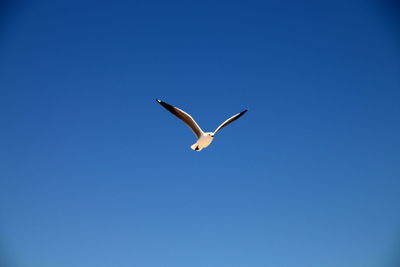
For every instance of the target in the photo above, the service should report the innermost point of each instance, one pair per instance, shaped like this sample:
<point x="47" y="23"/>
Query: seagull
<point x="204" y="139"/>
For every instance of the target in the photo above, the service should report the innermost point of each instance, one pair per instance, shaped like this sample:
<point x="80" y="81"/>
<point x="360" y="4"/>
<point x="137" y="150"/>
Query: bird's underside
<point x="204" y="139"/>
<point x="203" y="142"/>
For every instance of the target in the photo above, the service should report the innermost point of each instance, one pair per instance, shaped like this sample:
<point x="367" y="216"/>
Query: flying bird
<point x="204" y="139"/>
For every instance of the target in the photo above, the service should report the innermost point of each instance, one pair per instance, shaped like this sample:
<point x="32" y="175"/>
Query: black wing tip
<point x="167" y="106"/>
<point x="244" y="111"/>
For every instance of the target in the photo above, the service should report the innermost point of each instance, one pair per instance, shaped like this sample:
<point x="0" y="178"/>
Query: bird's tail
<point x="195" y="147"/>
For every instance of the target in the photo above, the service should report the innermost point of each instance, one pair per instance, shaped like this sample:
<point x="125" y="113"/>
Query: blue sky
<point x="95" y="173"/>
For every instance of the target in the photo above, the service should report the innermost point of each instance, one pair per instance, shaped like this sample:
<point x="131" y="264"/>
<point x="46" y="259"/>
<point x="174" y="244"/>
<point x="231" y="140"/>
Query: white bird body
<point x="203" y="142"/>
<point x="204" y="139"/>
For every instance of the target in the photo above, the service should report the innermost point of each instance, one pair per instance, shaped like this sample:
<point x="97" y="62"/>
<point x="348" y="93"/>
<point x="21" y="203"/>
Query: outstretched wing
<point x="230" y="120"/>
<point x="186" y="118"/>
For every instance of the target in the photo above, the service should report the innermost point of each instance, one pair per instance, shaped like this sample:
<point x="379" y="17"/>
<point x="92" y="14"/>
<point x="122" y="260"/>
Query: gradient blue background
<point x="95" y="173"/>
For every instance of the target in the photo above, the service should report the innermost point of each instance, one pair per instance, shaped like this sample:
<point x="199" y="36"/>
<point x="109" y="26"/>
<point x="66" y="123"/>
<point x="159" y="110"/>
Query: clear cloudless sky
<point x="93" y="172"/>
